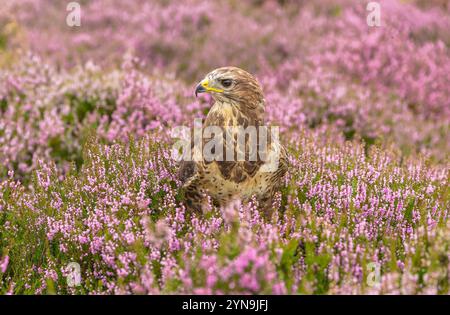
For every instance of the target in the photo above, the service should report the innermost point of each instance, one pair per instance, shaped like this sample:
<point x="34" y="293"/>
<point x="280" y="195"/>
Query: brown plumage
<point x="238" y="102"/>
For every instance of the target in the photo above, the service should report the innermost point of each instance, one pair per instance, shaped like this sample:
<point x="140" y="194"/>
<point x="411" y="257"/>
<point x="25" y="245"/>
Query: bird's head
<point x="231" y="84"/>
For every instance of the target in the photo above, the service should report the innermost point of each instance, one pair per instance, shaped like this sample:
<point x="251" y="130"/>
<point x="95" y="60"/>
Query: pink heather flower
<point x="161" y="234"/>
<point x="279" y="288"/>
<point x="203" y="291"/>
<point x="4" y="264"/>
<point x="211" y="280"/>
<point x="231" y="212"/>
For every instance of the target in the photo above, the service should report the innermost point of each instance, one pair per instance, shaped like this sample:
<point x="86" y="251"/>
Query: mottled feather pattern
<point x="240" y="105"/>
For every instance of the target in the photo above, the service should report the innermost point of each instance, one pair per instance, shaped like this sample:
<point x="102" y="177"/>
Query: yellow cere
<point x="205" y="83"/>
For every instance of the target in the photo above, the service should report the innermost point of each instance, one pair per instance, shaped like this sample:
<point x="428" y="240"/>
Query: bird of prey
<point x="238" y="104"/>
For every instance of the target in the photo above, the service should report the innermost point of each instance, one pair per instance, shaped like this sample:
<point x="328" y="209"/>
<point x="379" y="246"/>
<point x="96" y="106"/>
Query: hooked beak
<point x="203" y="87"/>
<point x="199" y="89"/>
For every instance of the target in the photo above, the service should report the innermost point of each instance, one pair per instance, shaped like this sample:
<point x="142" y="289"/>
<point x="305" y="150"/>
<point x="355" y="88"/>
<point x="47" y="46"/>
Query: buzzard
<point x="238" y="104"/>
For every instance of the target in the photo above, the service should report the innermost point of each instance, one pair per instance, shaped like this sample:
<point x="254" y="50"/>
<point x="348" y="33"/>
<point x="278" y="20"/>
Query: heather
<point x="86" y="173"/>
<point x="121" y="218"/>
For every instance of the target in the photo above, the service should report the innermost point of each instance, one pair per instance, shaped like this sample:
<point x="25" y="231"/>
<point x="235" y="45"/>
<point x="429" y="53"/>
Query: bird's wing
<point x="238" y="171"/>
<point x="189" y="168"/>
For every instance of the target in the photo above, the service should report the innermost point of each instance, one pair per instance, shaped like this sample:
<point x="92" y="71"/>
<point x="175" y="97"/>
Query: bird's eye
<point x="226" y="82"/>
